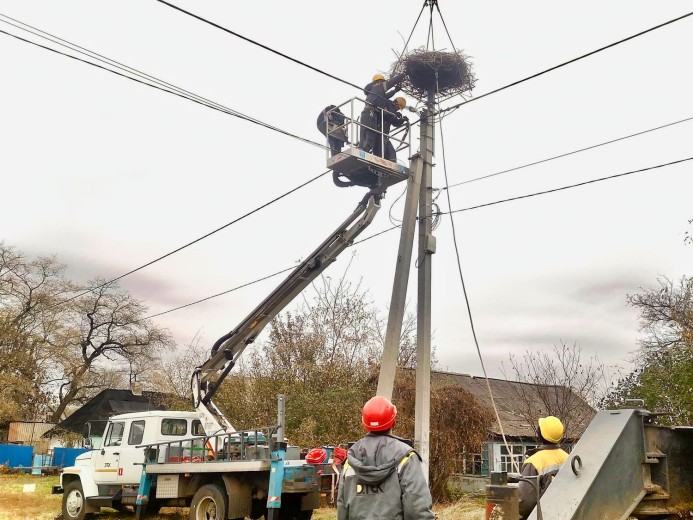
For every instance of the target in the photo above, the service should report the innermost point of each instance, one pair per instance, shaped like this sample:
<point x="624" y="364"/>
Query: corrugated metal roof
<point x="511" y="396"/>
<point x="27" y="432"/>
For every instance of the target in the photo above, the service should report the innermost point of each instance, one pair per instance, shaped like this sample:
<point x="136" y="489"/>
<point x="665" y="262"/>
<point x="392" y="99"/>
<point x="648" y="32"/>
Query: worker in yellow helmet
<point x="378" y="94"/>
<point x="391" y="117"/>
<point x="543" y="463"/>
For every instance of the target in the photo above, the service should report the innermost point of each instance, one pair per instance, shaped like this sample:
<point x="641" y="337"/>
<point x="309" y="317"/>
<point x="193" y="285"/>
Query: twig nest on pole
<point x="443" y="72"/>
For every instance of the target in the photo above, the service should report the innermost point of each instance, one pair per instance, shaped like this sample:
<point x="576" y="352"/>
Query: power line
<point x="253" y="281"/>
<point x="219" y="294"/>
<point x="566" y="63"/>
<point x="365" y="239"/>
<point x="270" y="49"/>
<point x="567" y="153"/>
<point x="179" y="92"/>
<point x="532" y="195"/>
<point x="234" y="221"/>
<point x="568" y="187"/>
<point x="397" y="227"/>
<point x="464" y="289"/>
<point x="375" y="235"/>
<point x="261" y="45"/>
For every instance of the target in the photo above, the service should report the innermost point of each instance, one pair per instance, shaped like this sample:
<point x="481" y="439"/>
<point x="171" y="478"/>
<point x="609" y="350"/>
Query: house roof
<point x="107" y="403"/>
<point x="511" y="396"/>
<point x="27" y="432"/>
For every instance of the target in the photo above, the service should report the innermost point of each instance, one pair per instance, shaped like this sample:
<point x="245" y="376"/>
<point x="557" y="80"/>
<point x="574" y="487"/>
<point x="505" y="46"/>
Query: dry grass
<point x="464" y="509"/>
<point x="15" y="504"/>
<point x="41" y="505"/>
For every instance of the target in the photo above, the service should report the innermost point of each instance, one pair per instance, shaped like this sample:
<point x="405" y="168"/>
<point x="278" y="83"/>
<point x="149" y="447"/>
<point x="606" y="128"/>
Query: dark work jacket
<point x="379" y="92"/>
<point x="392" y="117"/>
<point x="382" y="480"/>
<point x="336" y="117"/>
<point x="544" y="463"/>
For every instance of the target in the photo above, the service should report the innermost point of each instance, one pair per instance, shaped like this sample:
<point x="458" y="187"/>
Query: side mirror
<point x="86" y="443"/>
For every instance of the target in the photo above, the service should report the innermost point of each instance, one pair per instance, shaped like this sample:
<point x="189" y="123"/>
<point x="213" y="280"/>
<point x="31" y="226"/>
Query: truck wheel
<point x="209" y="503"/>
<point x="74" y="502"/>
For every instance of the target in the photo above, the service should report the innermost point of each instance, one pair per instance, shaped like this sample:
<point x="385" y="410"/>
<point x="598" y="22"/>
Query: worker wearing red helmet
<point x="382" y="477"/>
<point x="543" y="463"/>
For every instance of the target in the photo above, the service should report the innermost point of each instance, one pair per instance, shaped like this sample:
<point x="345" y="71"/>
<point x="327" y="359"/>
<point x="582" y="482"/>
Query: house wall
<point x="468" y="483"/>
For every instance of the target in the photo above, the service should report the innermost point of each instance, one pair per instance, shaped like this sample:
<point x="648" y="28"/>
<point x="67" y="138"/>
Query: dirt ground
<point x="15" y="504"/>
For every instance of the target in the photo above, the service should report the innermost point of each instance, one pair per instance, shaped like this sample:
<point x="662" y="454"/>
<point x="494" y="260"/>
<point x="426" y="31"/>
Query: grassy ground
<point x="15" y="504"/>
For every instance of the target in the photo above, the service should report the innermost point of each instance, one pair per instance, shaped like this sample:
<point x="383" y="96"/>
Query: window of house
<point x="114" y="436"/>
<point x="471" y="463"/>
<point x="174" y="426"/>
<point x="136" y="432"/>
<point x="477" y="464"/>
<point x="197" y="428"/>
<point x="517" y="455"/>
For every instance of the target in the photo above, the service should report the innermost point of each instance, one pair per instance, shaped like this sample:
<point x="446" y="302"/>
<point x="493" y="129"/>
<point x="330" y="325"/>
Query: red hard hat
<point x="339" y="455"/>
<point x="316" y="456"/>
<point x="378" y="414"/>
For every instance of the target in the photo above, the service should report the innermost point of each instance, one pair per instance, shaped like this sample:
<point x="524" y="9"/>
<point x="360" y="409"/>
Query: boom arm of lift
<point x="226" y="351"/>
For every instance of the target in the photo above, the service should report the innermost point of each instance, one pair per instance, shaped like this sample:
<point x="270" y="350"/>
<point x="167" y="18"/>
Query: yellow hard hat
<point x="551" y="428"/>
<point x="378" y="77"/>
<point x="401" y="102"/>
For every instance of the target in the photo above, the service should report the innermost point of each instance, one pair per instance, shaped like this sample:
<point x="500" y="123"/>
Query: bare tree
<point x="666" y="313"/>
<point x="561" y="383"/>
<point x="175" y="368"/>
<point x="663" y="374"/>
<point x="29" y="291"/>
<point x="104" y="329"/>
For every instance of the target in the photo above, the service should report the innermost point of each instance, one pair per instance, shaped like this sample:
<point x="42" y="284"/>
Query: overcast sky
<point x="109" y="174"/>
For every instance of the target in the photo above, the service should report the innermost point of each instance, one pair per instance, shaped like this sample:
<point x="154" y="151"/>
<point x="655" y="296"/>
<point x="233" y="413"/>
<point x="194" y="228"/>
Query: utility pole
<point x="393" y="333"/>
<point x="427" y="247"/>
<point x="419" y="193"/>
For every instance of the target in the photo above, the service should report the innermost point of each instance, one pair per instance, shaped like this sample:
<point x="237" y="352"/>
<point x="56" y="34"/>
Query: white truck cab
<point x="109" y="476"/>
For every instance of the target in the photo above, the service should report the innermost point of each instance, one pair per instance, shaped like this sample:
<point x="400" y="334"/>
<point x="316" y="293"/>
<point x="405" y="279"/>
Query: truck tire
<point x="209" y="503"/>
<point x="74" y="502"/>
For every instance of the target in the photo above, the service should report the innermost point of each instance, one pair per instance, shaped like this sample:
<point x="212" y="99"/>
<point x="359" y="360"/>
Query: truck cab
<point x="109" y="476"/>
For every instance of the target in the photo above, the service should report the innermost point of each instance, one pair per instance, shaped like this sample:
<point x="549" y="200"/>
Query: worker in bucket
<point x="543" y="463"/>
<point x="382" y="476"/>
<point x="331" y="125"/>
<point x="391" y="117"/>
<point x="378" y="93"/>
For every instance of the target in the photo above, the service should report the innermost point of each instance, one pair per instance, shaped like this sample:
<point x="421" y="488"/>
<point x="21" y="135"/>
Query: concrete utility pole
<point x="427" y="247"/>
<point x="419" y="197"/>
<point x="393" y="333"/>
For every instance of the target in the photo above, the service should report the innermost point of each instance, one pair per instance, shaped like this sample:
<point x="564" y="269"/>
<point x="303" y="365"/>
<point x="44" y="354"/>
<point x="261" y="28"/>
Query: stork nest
<point x="446" y="73"/>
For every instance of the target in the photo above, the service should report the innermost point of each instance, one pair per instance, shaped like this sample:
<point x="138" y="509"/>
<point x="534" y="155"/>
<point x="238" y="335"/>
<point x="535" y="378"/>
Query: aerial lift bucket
<point x="359" y="167"/>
